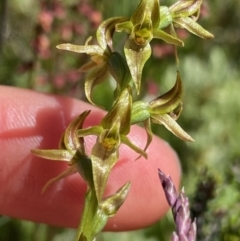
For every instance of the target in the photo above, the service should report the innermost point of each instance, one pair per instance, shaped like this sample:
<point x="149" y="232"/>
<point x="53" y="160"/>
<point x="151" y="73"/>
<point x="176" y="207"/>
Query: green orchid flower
<point x="184" y="14"/>
<point x="142" y="27"/>
<point x="163" y="110"/>
<point x="98" y="65"/>
<point x="111" y="133"/>
<point x="72" y="150"/>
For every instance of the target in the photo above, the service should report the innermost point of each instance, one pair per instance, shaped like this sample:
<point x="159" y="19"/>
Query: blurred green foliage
<point x="211" y="75"/>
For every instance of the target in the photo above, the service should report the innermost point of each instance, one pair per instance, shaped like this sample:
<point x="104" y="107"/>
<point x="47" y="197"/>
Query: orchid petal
<point x="136" y="57"/>
<point x="97" y="76"/>
<point x="54" y="154"/>
<point x="126" y="141"/>
<point x="187" y="10"/>
<point x="160" y="34"/>
<point x="172" y="126"/>
<point x="104" y="157"/>
<point x="182" y="5"/>
<point x="71" y="139"/>
<point x="126" y="26"/>
<point x="88" y="66"/>
<point x="147" y="125"/>
<point x="87" y="49"/>
<point x="71" y="170"/>
<point x="95" y="130"/>
<point x="111" y="204"/>
<point x="193" y="27"/>
<point x="105" y="31"/>
<point x="168" y="101"/>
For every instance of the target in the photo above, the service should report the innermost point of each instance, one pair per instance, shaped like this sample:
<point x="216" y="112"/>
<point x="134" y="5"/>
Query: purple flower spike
<point x="185" y="229"/>
<point x="168" y="187"/>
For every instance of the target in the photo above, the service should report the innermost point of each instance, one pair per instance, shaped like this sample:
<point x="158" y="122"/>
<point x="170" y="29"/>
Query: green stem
<point x="93" y="219"/>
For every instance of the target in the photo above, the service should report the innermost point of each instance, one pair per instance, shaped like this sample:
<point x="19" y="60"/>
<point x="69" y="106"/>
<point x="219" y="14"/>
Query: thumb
<point x="33" y="120"/>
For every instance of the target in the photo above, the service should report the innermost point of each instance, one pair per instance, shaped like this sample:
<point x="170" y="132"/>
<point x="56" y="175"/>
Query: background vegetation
<point x="30" y="30"/>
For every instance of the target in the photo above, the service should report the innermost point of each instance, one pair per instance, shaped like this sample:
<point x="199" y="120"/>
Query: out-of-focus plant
<point x="147" y="22"/>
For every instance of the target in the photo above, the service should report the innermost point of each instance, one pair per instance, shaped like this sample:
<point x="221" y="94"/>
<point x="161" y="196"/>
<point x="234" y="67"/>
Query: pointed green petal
<point x="55" y="154"/>
<point x="61" y="144"/>
<point x="87" y="49"/>
<point x="95" y="130"/>
<point x="125" y="26"/>
<point x="88" y="66"/>
<point x="71" y="139"/>
<point x="136" y="58"/>
<point x="127" y="142"/>
<point x="68" y="172"/>
<point x="83" y="165"/>
<point x="187" y="9"/>
<point x="172" y="126"/>
<point x="155" y="13"/>
<point x="193" y="27"/>
<point x="148" y="129"/>
<point x="140" y="12"/>
<point x="182" y="5"/>
<point x="147" y="10"/>
<point x="97" y="76"/>
<point x="110" y="205"/>
<point x="118" y="68"/>
<point x="165" y="17"/>
<point x="122" y="110"/>
<point x="159" y="34"/>
<point x="168" y="101"/>
<point x="102" y="163"/>
<point x="82" y="237"/>
<point x="106" y="30"/>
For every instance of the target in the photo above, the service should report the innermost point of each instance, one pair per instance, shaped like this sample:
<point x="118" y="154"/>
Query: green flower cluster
<point x="147" y="22"/>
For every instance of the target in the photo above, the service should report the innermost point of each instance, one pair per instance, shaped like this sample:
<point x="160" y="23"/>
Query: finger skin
<point x="31" y="120"/>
